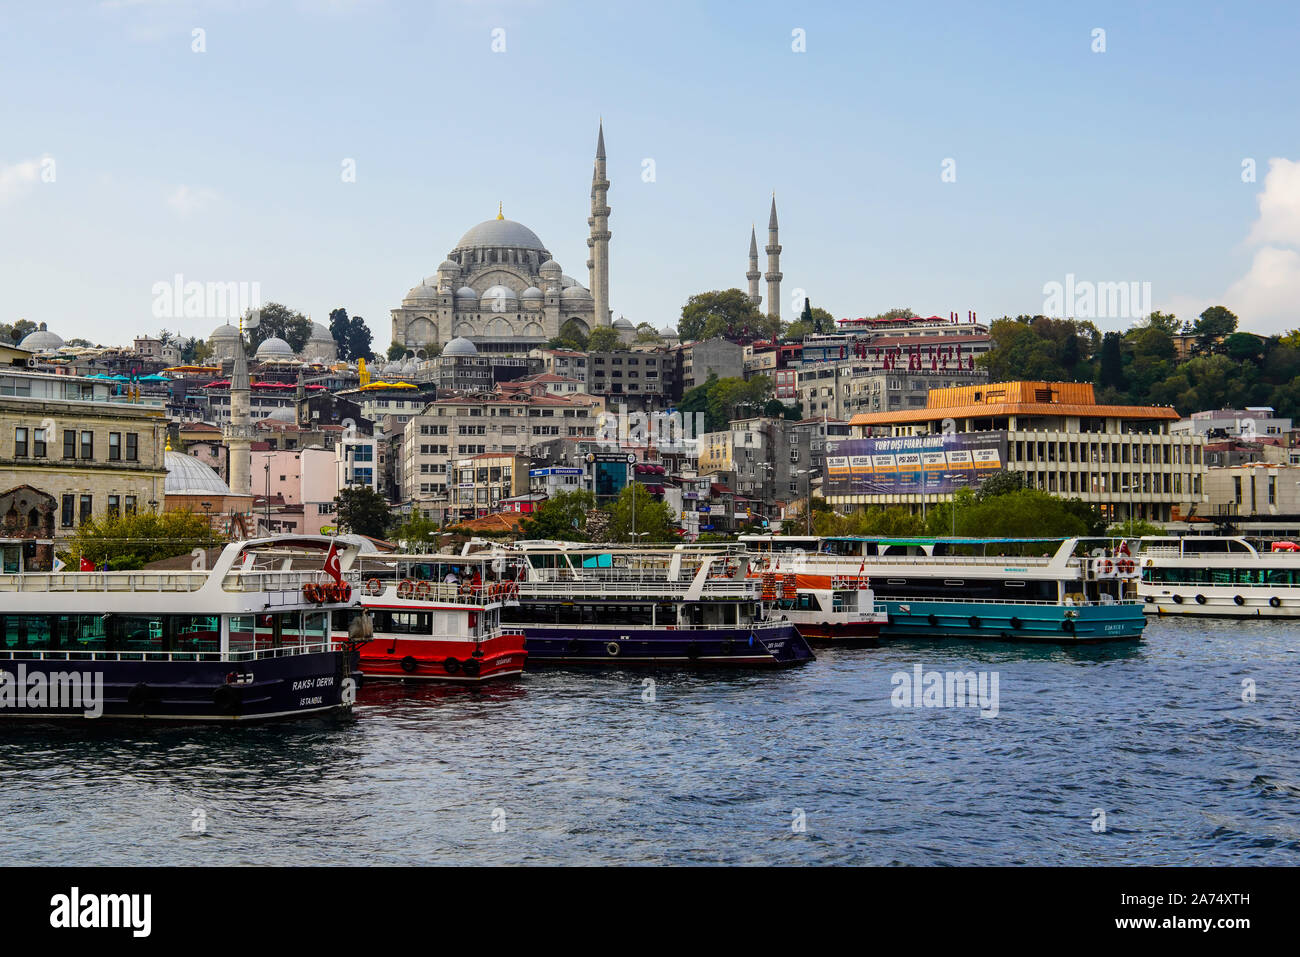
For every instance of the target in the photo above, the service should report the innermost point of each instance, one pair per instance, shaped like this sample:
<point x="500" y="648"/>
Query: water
<point x="574" y="767"/>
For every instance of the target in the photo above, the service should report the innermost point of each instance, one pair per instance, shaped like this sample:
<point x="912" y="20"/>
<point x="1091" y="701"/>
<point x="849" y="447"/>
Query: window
<point x="20" y="443"/>
<point x="68" y="513"/>
<point x="69" y="444"/>
<point x="115" y="446"/>
<point x="114" y="505"/>
<point x="129" y="504"/>
<point x="86" y="507"/>
<point x="133" y="446"/>
<point x="87" y="444"/>
<point x="38" y="443"/>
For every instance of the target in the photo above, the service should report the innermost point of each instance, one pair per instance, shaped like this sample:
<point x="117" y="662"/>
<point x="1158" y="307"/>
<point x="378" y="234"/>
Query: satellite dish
<point x="253" y="319"/>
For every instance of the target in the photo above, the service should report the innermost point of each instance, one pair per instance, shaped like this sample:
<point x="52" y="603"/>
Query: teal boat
<point x="1064" y="590"/>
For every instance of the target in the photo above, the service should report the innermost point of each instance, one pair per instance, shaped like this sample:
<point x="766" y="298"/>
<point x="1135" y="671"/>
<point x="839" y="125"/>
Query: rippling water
<point x="575" y="767"/>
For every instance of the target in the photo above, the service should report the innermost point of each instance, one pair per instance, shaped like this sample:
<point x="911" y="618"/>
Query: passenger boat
<point x="248" y="640"/>
<point x="1218" y="576"/>
<point x="1061" y="590"/>
<point x="678" y="605"/>
<point x="436" y="618"/>
<point x="825" y="609"/>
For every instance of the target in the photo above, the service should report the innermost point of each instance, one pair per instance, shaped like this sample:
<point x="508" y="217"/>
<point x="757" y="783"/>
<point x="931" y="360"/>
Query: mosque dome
<point x="465" y="292"/>
<point x="275" y="348"/>
<point x="224" y="332"/>
<point x="500" y="232"/>
<point x="42" y="340"/>
<point x="498" y="293"/>
<point x="422" y="291"/>
<point x="574" y="292"/>
<point x="460" y="346"/>
<point x="186" y="475"/>
<point x="668" y="332"/>
<point x="320" y="333"/>
<point x="532" y="292"/>
<point x="449" y="266"/>
<point x="550" y="268"/>
<point x="621" y="323"/>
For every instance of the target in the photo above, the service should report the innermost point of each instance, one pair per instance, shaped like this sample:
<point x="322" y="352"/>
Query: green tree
<point x="418" y="533"/>
<point x="1027" y="513"/>
<point x="571" y="337"/>
<point x="999" y="483"/>
<point x="195" y="351"/>
<point x="1134" y="529"/>
<point x="340" y="330"/>
<point x="654" y="519"/>
<point x="395" y="351"/>
<point x="605" y="339"/>
<point x="133" y="541"/>
<point x="363" y="511"/>
<point x="1111" y="371"/>
<point x="18" y="331"/>
<point x="1243" y="347"/>
<point x="647" y="333"/>
<point x="278" y="320"/>
<point x="360" y="339"/>
<point x="562" y="517"/>
<point x="725" y="314"/>
<point x="1165" y="322"/>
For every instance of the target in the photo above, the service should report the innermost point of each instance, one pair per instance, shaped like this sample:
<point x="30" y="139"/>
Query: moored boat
<point x="1219" y="576"/>
<point x="825" y="609"/>
<point x="247" y="640"/>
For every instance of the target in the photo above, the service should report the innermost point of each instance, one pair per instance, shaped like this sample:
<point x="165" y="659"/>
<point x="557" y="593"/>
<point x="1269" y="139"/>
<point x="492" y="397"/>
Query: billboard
<point x="910" y="465"/>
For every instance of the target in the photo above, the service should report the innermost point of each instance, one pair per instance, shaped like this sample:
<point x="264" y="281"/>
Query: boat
<point x="825" y="609"/>
<point x="1067" y="590"/>
<point x="436" y="618"/>
<point x="679" y="605"/>
<point x="1224" y="576"/>
<point x="247" y="640"/>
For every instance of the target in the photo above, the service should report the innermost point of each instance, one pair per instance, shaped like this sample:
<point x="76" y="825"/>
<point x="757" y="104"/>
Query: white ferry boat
<point x="1219" y="576"/>
<point x="825" y="609"/>
<point x="249" y="639"/>
<point x="1064" y="590"/>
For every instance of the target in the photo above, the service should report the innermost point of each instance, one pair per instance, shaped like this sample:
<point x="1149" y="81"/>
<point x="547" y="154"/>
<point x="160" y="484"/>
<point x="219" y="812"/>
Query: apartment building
<point x="841" y="389"/>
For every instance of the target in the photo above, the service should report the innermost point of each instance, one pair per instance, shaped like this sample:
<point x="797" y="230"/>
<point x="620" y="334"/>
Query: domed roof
<point x="569" y="281"/>
<point x="410" y="368"/>
<point x="465" y="292"/>
<point x="226" y="331"/>
<point x="550" y="267"/>
<point x="320" y="333"/>
<point x="532" y="292"/>
<point x="499" y="293"/>
<point x="275" y="348"/>
<point x="283" y="414"/>
<point x="621" y="323"/>
<point x="460" y="346"/>
<point x="42" y="340"/>
<point x="422" y="291"/>
<point x="448" y="266"/>
<point x="501" y="232"/>
<point x="186" y="475"/>
<point x="668" y="332"/>
<point x="574" y="292"/>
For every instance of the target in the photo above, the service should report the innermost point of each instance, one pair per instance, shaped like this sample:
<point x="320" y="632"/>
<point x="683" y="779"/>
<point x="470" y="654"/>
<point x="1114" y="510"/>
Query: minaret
<point x="591" y="231"/>
<point x="600" y="234"/>
<point x="239" y="431"/>
<point x="753" y="273"/>
<point x="773" y="276"/>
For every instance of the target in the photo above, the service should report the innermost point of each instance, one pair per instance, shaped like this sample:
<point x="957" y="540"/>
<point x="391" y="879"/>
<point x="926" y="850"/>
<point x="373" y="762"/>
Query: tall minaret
<point x="600" y="234"/>
<point x="753" y="273"/>
<point x="773" y="276"/>
<point x="239" y="431"/>
<point x="591" y="231"/>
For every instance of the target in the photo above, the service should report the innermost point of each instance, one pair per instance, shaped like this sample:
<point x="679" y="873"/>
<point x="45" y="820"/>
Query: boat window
<point x="1014" y="584"/>
<point x="119" y="633"/>
<point x="315" y="628"/>
<point x="954" y="582"/>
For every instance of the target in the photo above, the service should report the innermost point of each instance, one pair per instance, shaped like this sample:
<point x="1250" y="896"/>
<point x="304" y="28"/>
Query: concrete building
<point x="1122" y="459"/>
<point x="483" y="482"/>
<point x="842" y="389"/>
<point x="1253" y="493"/>
<point x="1249" y="424"/>
<point x="698" y="360"/>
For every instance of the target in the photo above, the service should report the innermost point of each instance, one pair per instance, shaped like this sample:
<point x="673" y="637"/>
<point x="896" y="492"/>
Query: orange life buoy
<point x="345" y="591"/>
<point x="1125" y="565"/>
<point x="1106" y="566"/>
<point x="422" y="590"/>
<point x="373" y="587"/>
<point x="405" y="588"/>
<point x="309" y="592"/>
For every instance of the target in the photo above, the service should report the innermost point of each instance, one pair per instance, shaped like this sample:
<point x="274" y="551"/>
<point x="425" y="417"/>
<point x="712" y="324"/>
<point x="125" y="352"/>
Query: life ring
<point x="405" y="587"/>
<point x="422" y="590"/>
<point x="1068" y="625"/>
<point x="612" y="649"/>
<point x="975" y="621"/>
<point x="1178" y="599"/>
<point x="471" y="667"/>
<point x="374" y="587"/>
<point x="1107" y="566"/>
<point x="309" y="592"/>
<point x="1125" y="566"/>
<point x="728" y="646"/>
<point x="1238" y="600"/>
<point x="574" y="646"/>
<point x="409" y="664"/>
<point x="1016" y="623"/>
<point x="1200" y="599"/>
<point x="451" y="666"/>
<point x="1275" y="602"/>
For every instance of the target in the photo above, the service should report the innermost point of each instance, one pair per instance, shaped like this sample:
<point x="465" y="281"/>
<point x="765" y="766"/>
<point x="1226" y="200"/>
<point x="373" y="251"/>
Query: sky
<point x="937" y="156"/>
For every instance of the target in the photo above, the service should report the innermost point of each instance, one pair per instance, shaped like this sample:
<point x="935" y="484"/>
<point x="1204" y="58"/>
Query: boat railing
<point x="1160" y="551"/>
<point x="743" y="588"/>
<point x="74" y="582"/>
<point x="1008" y="601"/>
<point x="284" y="651"/>
<point x="796" y="562"/>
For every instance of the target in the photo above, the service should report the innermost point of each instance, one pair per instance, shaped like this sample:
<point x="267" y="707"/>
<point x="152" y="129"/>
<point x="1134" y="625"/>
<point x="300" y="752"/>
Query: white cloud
<point x="18" y="178"/>
<point x="1267" y="298"/>
<point x="185" y="200"/>
<point x="1279" y="205"/>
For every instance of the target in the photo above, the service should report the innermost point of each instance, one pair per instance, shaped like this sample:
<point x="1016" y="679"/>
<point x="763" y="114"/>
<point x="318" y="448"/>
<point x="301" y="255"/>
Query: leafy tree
<point x="133" y="541"/>
<point x="1134" y="529"/>
<point x="823" y="322"/>
<point x="654" y="519"/>
<point x="1041" y="348"/>
<point x="363" y="511"/>
<point x="571" y="337"/>
<point x="195" y="351"/>
<point x="647" y="333"/>
<point x="999" y="483"/>
<point x="418" y="533"/>
<point x="1243" y="347"/>
<point x="563" y="517"/>
<point x="18" y="331"/>
<point x="278" y="320"/>
<point x="395" y="351"/>
<point x="892" y="522"/>
<point x="360" y="339"/>
<point x="1026" y="513"/>
<point x="725" y="314"/>
<point x="1111" y="371"/>
<point x="1165" y="322"/>
<point x="1215" y="321"/>
<point x="340" y="329"/>
<point x="605" y="339"/>
<point x="776" y="409"/>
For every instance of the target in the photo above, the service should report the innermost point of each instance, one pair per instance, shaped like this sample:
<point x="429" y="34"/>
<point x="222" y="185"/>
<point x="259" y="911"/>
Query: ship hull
<point x="1209" y="601"/>
<point x="261" y="689"/>
<point x="1062" y="624"/>
<point x="712" y="647"/>
<point x="446" y="661"/>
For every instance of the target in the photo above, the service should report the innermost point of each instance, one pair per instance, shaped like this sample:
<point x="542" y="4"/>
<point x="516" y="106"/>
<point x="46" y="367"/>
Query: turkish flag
<point x="87" y="565"/>
<point x="332" y="563"/>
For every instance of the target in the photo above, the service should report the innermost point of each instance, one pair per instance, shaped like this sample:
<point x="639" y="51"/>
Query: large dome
<point x="186" y="475"/>
<point x="275" y="348"/>
<point x="224" y="331"/>
<point x="501" y="232"/>
<point x="460" y="346"/>
<point x="320" y="333"/>
<point x="42" y="340"/>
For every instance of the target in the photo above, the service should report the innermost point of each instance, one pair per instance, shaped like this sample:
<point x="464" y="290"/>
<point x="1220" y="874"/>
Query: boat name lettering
<point x="307" y="683"/>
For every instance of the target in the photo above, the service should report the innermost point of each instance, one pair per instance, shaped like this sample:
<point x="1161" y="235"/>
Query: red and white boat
<point x="824" y="609"/>
<point x="436" y="618"/>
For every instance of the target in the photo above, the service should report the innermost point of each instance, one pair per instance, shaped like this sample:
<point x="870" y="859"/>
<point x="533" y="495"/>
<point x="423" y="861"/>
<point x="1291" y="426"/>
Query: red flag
<point x="332" y="563"/>
<point x="87" y="565"/>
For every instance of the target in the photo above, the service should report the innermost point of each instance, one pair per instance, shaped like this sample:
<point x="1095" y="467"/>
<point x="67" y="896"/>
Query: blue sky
<point x="225" y="165"/>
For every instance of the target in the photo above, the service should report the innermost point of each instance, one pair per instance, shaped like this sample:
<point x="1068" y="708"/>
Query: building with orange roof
<point x="1123" y="459"/>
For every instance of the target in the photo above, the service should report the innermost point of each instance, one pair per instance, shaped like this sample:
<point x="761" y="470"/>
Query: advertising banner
<point x="935" y="464"/>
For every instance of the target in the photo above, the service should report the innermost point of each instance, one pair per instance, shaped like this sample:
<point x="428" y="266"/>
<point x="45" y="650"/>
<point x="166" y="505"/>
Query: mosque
<point x="501" y="290"/>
